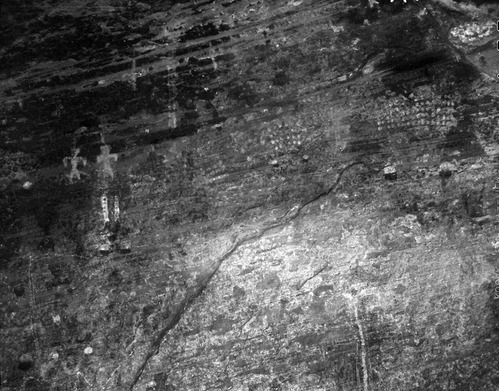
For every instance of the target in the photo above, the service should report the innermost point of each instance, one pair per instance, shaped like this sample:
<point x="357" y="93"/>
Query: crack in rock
<point x="176" y="315"/>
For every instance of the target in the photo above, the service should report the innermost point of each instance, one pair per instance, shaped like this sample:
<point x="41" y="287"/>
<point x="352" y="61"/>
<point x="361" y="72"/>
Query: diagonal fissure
<point x="185" y="304"/>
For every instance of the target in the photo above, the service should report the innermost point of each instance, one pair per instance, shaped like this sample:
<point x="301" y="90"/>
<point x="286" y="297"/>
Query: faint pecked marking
<point x="105" y="209"/>
<point x="363" y="352"/>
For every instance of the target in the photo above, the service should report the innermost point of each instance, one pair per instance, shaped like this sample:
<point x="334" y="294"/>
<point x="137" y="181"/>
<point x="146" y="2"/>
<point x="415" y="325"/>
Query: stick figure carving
<point x="74" y="161"/>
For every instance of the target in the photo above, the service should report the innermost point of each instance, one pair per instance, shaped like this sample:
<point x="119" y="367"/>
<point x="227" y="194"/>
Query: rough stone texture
<point x="249" y="195"/>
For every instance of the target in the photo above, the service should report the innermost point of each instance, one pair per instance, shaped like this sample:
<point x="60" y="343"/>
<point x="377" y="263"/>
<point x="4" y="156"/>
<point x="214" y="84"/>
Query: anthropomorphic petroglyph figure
<point x="74" y="161"/>
<point x="104" y="159"/>
<point x="113" y="235"/>
<point x="110" y="208"/>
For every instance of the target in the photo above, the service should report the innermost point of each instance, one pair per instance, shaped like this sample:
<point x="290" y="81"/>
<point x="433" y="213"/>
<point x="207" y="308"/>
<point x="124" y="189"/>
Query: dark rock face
<point x="270" y="195"/>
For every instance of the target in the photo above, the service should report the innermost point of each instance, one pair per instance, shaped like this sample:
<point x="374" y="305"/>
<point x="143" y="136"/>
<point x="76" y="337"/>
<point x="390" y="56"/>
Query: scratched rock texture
<point x="249" y="195"/>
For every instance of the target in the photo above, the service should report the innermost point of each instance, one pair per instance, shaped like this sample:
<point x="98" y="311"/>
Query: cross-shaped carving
<point x="105" y="160"/>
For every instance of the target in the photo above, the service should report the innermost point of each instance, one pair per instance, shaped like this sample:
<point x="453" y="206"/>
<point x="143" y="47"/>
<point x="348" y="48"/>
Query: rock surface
<point x="249" y="195"/>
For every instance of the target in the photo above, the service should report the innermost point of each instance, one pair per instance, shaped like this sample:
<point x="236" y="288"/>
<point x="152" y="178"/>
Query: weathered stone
<point x="272" y="195"/>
